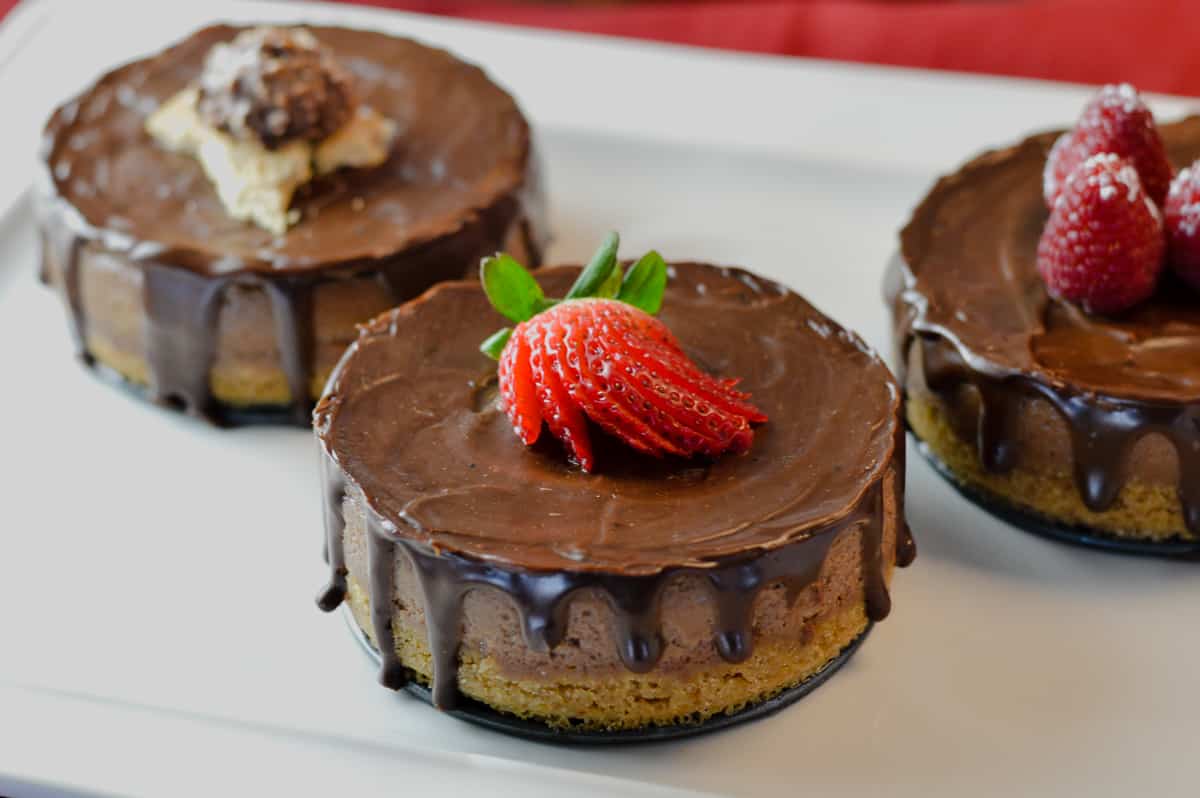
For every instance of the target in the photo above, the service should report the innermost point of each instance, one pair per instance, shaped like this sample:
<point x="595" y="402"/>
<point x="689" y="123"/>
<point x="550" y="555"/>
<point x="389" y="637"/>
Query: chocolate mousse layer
<point x="414" y="441"/>
<point x="145" y="231"/>
<point x="1033" y="381"/>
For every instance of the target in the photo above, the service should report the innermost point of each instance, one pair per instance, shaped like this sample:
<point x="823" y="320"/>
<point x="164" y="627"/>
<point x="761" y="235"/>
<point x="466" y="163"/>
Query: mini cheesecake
<point x="219" y="216"/>
<point x="649" y="592"/>
<point x="1087" y="421"/>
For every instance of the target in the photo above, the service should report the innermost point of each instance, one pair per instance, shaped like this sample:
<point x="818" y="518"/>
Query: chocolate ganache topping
<point x="462" y="175"/>
<point x="967" y="291"/>
<point x="277" y="85"/>
<point x="410" y="424"/>
<point x="464" y="147"/>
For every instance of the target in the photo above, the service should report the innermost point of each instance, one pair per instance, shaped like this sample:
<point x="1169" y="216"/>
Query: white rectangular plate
<point x="157" y="627"/>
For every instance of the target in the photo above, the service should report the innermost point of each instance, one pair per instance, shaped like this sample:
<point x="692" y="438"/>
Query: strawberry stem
<point x="645" y="283"/>
<point x="510" y="288"/>
<point x="598" y="269"/>
<point x="514" y="292"/>
<point x="495" y="343"/>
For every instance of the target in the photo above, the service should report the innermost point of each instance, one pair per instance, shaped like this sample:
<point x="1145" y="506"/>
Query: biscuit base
<point x="631" y="706"/>
<point x="234" y="404"/>
<point x="1145" y="519"/>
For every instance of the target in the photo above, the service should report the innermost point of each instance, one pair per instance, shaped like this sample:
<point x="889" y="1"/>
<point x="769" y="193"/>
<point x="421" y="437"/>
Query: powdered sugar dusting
<point x="1109" y="174"/>
<point x="1184" y="177"/>
<point x="1049" y="180"/>
<point x="1121" y="95"/>
<point x="1114" y="121"/>
<point x="1189" y="219"/>
<point x="1103" y="245"/>
<point x="1154" y="209"/>
<point x="1185" y="216"/>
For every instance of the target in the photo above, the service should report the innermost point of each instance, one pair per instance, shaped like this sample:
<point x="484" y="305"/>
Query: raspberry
<point x="1182" y="218"/>
<point x="1117" y="121"/>
<point x="1103" y="244"/>
<point x="622" y="369"/>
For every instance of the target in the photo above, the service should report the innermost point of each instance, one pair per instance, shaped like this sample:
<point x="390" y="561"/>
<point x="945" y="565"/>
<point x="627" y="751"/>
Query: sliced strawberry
<point x="651" y="336"/>
<point x="518" y="395"/>
<point x="612" y="363"/>
<point x="714" y="430"/>
<point x="639" y="390"/>
<point x="646" y="324"/>
<point x="561" y="414"/>
<point x="674" y="419"/>
<point x="683" y="376"/>
<point x="602" y="400"/>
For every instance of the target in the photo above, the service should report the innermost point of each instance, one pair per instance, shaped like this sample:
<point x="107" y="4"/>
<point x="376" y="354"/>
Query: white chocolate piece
<point x="256" y="184"/>
<point x="364" y="141"/>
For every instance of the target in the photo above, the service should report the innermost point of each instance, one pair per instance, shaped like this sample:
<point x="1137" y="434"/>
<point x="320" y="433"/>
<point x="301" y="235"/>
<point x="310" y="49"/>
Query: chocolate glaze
<point x="461" y="178"/>
<point x="409" y="427"/>
<point x="966" y="292"/>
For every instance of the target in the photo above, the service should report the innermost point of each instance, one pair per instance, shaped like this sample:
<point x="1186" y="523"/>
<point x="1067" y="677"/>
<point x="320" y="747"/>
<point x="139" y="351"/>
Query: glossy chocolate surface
<point x="461" y="182"/>
<point x="967" y="290"/>
<point x="410" y="423"/>
<point x="462" y="146"/>
<point x="416" y="383"/>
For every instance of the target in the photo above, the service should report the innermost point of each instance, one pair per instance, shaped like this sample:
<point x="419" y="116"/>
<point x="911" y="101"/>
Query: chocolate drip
<point x="906" y="545"/>
<point x="875" y="592"/>
<point x="292" y="307"/>
<point x="1099" y="438"/>
<point x="181" y="322"/>
<point x="332" y="497"/>
<point x="970" y="307"/>
<point x="428" y="214"/>
<point x="996" y="430"/>
<point x="545" y="629"/>
<point x="543" y="599"/>
<point x="1103" y="430"/>
<point x="443" y="592"/>
<point x="636" y="603"/>
<point x="432" y="462"/>
<point x="735" y="589"/>
<point x="73" y="292"/>
<point x="182" y="310"/>
<point x="381" y="564"/>
<point x="1186" y="426"/>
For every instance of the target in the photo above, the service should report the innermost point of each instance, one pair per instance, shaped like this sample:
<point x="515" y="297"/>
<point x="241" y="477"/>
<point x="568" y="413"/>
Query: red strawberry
<point x="1182" y="218"/>
<point x="561" y="415"/>
<point x="621" y="368"/>
<point x="1103" y="244"/>
<point x="1116" y="121"/>
<point x="518" y="394"/>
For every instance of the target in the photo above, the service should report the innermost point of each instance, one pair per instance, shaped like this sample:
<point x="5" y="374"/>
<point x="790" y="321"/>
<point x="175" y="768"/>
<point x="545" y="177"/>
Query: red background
<point x="1150" y="43"/>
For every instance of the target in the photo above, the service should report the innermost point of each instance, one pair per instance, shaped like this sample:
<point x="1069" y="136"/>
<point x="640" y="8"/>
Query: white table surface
<point x="157" y="627"/>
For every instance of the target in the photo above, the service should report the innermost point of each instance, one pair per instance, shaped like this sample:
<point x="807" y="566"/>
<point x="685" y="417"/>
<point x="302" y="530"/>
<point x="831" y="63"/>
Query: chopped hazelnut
<point x="276" y="85"/>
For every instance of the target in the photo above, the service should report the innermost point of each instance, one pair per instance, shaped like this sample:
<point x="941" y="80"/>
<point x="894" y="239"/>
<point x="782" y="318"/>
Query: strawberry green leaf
<point x="645" y="283"/>
<point x="493" y="347"/>
<point x="610" y="287"/>
<point x="598" y="269"/>
<point x="511" y="288"/>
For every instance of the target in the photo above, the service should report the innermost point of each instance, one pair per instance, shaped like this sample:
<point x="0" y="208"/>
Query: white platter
<point x="157" y="627"/>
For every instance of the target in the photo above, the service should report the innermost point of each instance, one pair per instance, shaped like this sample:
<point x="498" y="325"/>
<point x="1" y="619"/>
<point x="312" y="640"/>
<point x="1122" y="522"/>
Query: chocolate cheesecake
<point x="1078" y="419"/>
<point x="220" y="315"/>
<point x="652" y="592"/>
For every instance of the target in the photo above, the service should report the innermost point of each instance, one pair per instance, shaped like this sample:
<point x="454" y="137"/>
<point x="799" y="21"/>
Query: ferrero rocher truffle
<point x="276" y="85"/>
